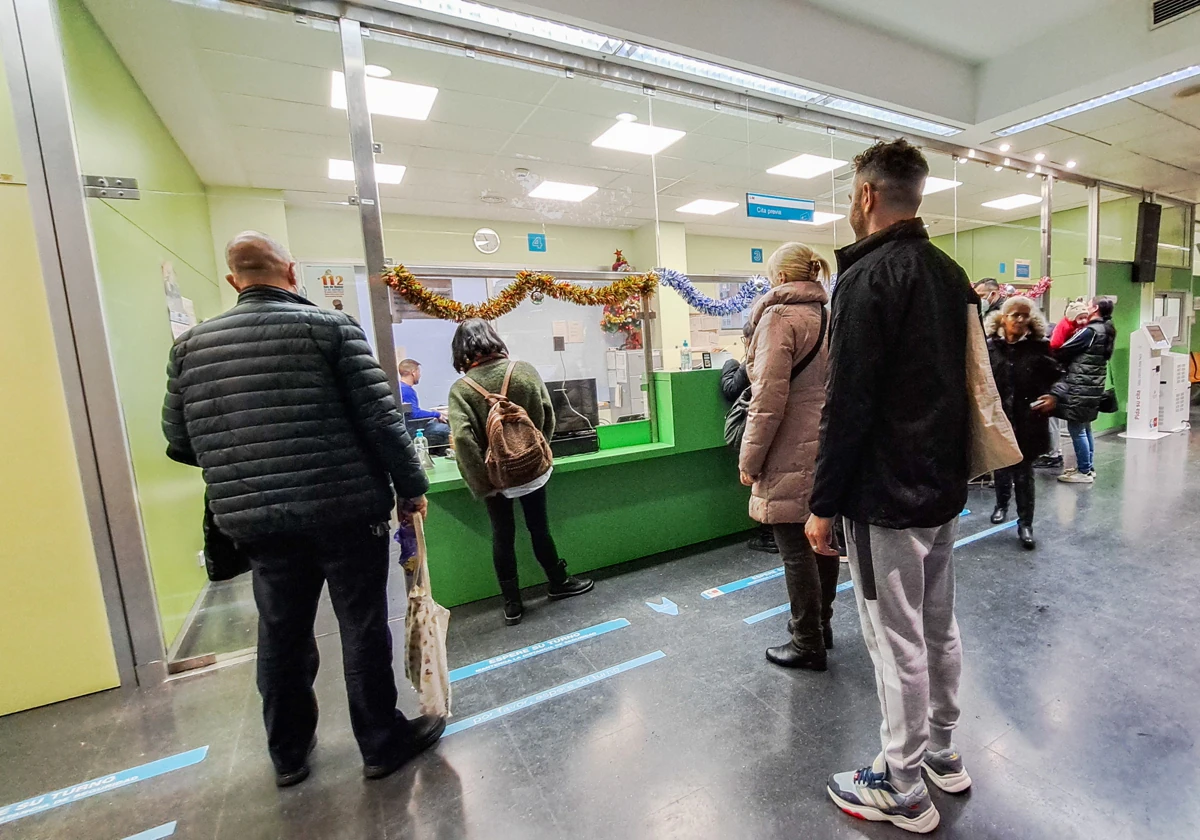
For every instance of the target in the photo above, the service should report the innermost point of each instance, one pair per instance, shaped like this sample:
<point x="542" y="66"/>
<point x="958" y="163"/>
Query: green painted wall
<point x="54" y="637"/>
<point x="1116" y="278"/>
<point x="119" y="133"/>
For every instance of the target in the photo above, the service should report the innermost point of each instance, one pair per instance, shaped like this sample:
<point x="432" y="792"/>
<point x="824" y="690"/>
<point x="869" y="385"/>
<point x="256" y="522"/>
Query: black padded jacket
<point x="289" y="415"/>
<point x="734" y="380"/>
<point x="894" y="430"/>
<point x="1085" y="356"/>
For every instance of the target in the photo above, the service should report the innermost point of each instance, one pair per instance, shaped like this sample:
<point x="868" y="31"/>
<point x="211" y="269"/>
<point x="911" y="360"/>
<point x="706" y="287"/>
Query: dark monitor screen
<point x="571" y="399"/>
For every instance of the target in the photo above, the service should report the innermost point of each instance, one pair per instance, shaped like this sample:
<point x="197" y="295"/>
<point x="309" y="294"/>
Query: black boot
<point x="999" y="514"/>
<point x="514" y="609"/>
<point x="1025" y="535"/>
<point x="790" y="656"/>
<point x="563" y="585"/>
<point x="763" y="541"/>
<point x="827" y="631"/>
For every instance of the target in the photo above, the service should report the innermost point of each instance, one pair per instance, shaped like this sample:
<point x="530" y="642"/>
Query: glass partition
<point x="1174" y="241"/>
<point x="1118" y="225"/>
<point x="1069" y="244"/>
<point x="224" y="131"/>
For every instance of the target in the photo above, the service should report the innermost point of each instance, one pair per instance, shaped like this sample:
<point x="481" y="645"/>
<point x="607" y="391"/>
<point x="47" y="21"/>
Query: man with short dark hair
<point x="991" y="296"/>
<point x="293" y="422"/>
<point x="893" y="463"/>
<point x="437" y="430"/>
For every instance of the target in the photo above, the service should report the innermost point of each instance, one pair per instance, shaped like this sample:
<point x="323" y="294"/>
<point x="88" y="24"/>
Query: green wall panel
<point x="1116" y="278"/>
<point x="119" y="133"/>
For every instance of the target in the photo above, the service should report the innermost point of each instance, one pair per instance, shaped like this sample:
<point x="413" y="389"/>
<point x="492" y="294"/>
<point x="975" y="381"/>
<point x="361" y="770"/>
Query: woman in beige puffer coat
<point x="779" y="450"/>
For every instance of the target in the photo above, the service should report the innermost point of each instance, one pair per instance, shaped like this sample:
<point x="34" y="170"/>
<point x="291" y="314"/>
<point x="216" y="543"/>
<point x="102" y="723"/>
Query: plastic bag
<point x="425" y="627"/>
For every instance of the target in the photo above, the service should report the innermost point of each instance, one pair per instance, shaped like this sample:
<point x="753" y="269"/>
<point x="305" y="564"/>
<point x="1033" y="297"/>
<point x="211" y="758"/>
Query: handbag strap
<point x="816" y="348"/>
<point x="421" y="574"/>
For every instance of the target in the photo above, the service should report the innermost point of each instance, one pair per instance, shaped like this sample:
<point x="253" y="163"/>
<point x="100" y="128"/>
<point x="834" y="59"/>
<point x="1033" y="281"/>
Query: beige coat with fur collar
<point x="783" y="426"/>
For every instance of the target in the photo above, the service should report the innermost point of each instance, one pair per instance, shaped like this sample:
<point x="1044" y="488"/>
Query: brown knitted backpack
<point x="517" y="451"/>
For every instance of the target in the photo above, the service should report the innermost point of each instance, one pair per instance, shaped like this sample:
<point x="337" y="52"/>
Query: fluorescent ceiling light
<point x="378" y="71"/>
<point x="385" y="173"/>
<point x="515" y="23"/>
<point x="706" y="207"/>
<point x="558" y="191"/>
<point x="1012" y="202"/>
<point x="806" y="166"/>
<point x="820" y="218"/>
<point x="937" y="185"/>
<point x="387" y="98"/>
<point x="716" y="73"/>
<point x="1098" y="101"/>
<point x="885" y="115"/>
<point x="518" y="24"/>
<point x="627" y="136"/>
<point x="1004" y="147"/>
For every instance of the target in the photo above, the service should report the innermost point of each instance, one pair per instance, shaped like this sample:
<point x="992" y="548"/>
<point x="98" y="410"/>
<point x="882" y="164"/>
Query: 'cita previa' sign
<point x="759" y="206"/>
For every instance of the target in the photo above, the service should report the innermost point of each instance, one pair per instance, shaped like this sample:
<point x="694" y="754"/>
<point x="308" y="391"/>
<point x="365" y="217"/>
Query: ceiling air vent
<point x="1163" y="12"/>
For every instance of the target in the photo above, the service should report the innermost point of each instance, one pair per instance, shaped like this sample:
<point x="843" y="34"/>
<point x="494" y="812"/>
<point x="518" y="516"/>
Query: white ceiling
<point x="975" y="30"/>
<point x="256" y="114"/>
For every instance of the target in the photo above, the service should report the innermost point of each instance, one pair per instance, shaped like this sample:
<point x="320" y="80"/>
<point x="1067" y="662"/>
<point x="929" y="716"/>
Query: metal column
<point x="1093" y="239"/>
<point x="33" y="58"/>
<point x="1047" y="233"/>
<point x="362" y="150"/>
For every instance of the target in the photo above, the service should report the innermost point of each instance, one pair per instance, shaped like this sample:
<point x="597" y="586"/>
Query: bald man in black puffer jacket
<point x="292" y="420"/>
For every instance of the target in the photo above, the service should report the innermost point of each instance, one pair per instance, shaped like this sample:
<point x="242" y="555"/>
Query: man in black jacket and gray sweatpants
<point x="893" y="463"/>
<point x="304" y="454"/>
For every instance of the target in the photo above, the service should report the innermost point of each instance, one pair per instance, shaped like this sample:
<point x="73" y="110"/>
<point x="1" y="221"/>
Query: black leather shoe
<point x="788" y="656"/>
<point x="1025" y="535"/>
<point x="426" y="731"/>
<point x="1048" y="462"/>
<point x="827" y="630"/>
<point x="514" y="611"/>
<point x="571" y="587"/>
<point x="764" y="543"/>
<point x="999" y="514"/>
<point x="295" y="777"/>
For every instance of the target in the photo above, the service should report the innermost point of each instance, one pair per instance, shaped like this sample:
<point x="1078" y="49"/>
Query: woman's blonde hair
<point x="796" y="262"/>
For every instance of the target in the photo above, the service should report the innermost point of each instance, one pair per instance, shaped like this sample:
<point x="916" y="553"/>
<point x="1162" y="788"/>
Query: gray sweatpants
<point x="1056" y="427"/>
<point x="904" y="585"/>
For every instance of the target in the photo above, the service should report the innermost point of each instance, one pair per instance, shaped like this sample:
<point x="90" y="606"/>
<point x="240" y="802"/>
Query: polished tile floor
<point x="1079" y="697"/>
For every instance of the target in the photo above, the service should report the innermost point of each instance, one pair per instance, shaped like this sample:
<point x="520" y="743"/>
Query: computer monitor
<point x="575" y="404"/>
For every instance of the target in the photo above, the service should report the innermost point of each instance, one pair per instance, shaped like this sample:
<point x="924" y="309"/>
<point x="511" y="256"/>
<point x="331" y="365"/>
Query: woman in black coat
<point x="1028" y="379"/>
<point x="1085" y="357"/>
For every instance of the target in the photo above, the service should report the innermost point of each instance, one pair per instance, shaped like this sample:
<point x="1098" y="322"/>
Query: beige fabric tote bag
<point x="993" y="444"/>
<point x="425" y="626"/>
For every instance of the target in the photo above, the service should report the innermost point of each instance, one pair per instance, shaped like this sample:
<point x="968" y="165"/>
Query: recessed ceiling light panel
<point x="628" y="136"/>
<point x="806" y="166"/>
<point x="559" y="191"/>
<point x="1012" y="202"/>
<point x="385" y="173"/>
<point x="706" y="207"/>
<point x="387" y="98"/>
<point x="377" y="71"/>
<point x="937" y="185"/>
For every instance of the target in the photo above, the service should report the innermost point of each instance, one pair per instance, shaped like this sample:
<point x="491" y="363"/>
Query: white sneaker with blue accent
<point x="946" y="770"/>
<point x="868" y="795"/>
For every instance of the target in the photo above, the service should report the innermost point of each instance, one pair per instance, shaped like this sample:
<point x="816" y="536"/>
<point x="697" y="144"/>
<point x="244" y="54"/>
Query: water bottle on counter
<point x="422" y="445"/>
<point x="685" y="357"/>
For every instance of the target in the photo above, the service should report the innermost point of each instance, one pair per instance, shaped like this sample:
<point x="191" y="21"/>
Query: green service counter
<point x="634" y="498"/>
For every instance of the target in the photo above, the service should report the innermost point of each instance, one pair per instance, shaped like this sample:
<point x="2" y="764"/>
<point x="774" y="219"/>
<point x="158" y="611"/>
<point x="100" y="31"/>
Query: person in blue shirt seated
<point x="437" y="430"/>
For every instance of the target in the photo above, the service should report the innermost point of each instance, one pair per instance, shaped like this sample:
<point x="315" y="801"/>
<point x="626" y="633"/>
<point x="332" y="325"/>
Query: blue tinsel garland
<point x="740" y="302"/>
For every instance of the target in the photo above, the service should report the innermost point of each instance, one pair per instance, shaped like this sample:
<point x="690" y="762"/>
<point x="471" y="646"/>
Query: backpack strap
<point x="484" y="391"/>
<point x="507" y="376"/>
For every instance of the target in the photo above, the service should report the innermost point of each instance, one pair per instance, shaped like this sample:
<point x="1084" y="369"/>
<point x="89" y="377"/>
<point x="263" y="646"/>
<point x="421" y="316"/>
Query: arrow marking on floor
<point x="667" y="607"/>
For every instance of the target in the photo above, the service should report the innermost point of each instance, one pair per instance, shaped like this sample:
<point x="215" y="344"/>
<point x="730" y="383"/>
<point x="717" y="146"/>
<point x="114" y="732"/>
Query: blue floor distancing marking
<point x="104" y="784"/>
<point x="551" y="693"/>
<point x="842" y="587"/>
<point x="538" y="649"/>
<point x="737" y="585"/>
<point x="156" y="833"/>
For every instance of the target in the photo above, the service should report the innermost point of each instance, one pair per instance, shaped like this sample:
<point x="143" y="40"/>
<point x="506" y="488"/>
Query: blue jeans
<point x="437" y="433"/>
<point x="1085" y="445"/>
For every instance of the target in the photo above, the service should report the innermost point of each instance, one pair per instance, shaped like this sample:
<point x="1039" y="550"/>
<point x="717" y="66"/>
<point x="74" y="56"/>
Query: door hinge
<point x="107" y="186"/>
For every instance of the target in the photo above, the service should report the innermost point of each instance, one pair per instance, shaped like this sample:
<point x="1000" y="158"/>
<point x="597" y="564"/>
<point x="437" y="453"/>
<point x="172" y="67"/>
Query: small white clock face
<point x="487" y="241"/>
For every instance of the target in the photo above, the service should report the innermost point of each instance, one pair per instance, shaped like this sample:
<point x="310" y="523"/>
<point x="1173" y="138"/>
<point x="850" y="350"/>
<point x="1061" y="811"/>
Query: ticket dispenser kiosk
<point x="1146" y="347"/>
<point x="1174" y="393"/>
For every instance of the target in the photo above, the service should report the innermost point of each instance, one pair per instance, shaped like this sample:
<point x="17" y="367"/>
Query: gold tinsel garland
<point x="527" y="282"/>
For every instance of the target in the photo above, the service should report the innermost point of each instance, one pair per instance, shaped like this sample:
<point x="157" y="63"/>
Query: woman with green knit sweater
<point x="480" y="354"/>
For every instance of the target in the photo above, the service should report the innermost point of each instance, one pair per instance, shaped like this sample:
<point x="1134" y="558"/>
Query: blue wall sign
<point x="1024" y="269"/>
<point x="759" y="206"/>
<point x="1003" y="268"/>
<point x="537" y="242"/>
<point x="756" y="255"/>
